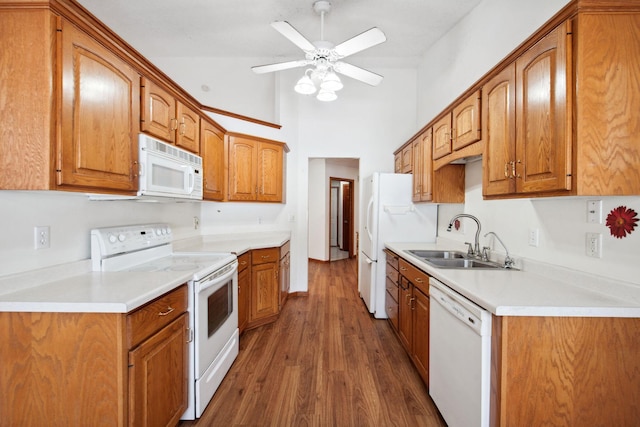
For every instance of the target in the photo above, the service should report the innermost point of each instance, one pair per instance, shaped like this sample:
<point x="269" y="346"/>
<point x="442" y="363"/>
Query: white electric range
<point x="213" y="297"/>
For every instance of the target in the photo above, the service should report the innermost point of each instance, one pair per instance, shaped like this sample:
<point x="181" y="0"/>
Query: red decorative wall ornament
<point x="622" y="221"/>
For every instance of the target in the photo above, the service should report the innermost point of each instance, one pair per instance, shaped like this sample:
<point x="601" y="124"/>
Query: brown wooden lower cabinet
<point x="74" y="368"/>
<point x="412" y="312"/>
<point x="269" y="275"/>
<point x="565" y="371"/>
<point x="244" y="290"/>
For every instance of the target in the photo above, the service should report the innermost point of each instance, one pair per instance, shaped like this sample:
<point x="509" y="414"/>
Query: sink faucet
<point x="508" y="261"/>
<point x="476" y="246"/>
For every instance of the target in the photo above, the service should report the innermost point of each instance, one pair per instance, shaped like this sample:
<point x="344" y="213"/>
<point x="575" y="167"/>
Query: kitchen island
<point x="565" y="347"/>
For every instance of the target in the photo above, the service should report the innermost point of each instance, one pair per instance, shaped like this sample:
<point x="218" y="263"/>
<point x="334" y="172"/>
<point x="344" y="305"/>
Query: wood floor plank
<point x="325" y="362"/>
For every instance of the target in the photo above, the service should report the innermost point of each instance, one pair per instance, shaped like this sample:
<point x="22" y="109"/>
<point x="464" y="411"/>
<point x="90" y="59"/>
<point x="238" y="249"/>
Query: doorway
<point x="341" y="221"/>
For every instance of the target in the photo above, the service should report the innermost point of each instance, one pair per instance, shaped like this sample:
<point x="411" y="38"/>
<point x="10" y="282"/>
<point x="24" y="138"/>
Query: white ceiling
<point x="240" y="28"/>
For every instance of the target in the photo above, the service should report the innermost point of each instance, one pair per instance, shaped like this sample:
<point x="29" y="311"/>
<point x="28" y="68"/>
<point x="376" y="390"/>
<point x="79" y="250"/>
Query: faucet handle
<point x="470" y="250"/>
<point x="485" y="253"/>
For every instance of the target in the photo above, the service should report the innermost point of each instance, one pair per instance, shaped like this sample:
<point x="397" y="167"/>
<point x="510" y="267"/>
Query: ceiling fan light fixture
<point x="305" y="85"/>
<point x="331" y="82"/>
<point x="326" y="95"/>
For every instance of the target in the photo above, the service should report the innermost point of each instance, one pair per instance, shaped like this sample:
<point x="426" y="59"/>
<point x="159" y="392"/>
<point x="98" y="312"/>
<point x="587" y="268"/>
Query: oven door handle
<point x="213" y="280"/>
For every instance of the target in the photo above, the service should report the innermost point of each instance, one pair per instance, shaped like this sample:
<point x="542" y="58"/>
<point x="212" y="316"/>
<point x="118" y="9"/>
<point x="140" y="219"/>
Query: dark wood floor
<point x="325" y="362"/>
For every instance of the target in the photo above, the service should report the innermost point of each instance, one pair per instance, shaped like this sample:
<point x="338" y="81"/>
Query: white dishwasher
<point x="459" y="357"/>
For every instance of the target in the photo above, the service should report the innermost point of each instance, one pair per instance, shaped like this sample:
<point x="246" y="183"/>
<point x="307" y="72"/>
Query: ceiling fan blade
<point x="358" y="73"/>
<point x="259" y="69"/>
<point x="362" y="41"/>
<point x="287" y="30"/>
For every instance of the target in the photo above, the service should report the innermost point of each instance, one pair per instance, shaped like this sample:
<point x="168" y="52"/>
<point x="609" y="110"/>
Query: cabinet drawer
<point x="153" y="316"/>
<point x="392" y="275"/>
<point x="284" y="249"/>
<point x="262" y="256"/>
<point x="244" y="261"/>
<point x="419" y="278"/>
<point x="391" y="307"/>
<point x="392" y="289"/>
<point x="392" y="259"/>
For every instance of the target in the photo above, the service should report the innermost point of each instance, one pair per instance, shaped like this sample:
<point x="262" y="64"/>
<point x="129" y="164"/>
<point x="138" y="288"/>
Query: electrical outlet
<point x="196" y="222"/>
<point x="41" y="236"/>
<point x="594" y="245"/>
<point x="534" y="237"/>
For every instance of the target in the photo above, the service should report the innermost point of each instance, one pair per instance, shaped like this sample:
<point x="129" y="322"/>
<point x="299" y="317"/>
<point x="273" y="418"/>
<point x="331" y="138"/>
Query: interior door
<point x="347" y="232"/>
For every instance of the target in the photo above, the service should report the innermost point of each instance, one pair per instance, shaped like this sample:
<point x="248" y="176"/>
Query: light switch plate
<point x="594" y="211"/>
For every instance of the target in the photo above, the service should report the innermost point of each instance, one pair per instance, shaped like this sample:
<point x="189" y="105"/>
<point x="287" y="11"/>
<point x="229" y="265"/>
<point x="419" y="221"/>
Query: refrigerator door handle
<point x="368" y="221"/>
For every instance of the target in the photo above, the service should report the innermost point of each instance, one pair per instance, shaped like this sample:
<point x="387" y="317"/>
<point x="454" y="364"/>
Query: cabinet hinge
<point x="190" y="335"/>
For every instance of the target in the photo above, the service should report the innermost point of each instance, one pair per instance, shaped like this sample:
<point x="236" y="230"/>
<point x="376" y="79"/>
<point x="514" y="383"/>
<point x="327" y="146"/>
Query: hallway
<point x="325" y="362"/>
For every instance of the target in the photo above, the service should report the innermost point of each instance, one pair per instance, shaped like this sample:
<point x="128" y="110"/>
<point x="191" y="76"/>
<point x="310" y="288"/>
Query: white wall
<point x="491" y="31"/>
<point x="70" y="217"/>
<point x="320" y="172"/>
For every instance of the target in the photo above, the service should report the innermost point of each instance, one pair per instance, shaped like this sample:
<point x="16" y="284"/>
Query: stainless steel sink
<point x="453" y="260"/>
<point x="437" y="254"/>
<point x="462" y="263"/>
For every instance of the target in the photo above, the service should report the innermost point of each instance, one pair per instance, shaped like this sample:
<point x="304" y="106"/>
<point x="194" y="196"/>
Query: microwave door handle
<point x="192" y="179"/>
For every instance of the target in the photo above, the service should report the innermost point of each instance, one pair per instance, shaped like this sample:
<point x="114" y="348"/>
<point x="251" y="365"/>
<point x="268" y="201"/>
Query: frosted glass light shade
<point x="326" y="95"/>
<point x="305" y="86"/>
<point x="331" y="82"/>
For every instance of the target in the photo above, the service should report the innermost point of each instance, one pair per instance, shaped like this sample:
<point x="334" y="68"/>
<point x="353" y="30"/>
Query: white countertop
<point x="528" y="293"/>
<point x="238" y="243"/>
<point x="74" y="288"/>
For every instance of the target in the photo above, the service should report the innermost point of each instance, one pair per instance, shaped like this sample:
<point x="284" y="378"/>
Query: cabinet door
<point x="264" y="290"/>
<point x="416" y="168"/>
<point x="285" y="278"/>
<point x="543" y="135"/>
<point x="407" y="159"/>
<point x="270" y="171"/>
<point x="158" y="377"/>
<point x="242" y="169"/>
<point x="420" y="313"/>
<point x="158" y="111"/>
<point x="499" y="124"/>
<point x="244" y="295"/>
<point x="397" y="162"/>
<point x="426" y="169"/>
<point x="100" y="116"/>
<point x="442" y="137"/>
<point x="188" y="132"/>
<point x="404" y="314"/>
<point x="212" y="150"/>
<point x="466" y="122"/>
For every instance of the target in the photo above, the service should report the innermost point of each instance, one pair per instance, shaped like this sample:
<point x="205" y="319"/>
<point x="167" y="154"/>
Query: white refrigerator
<point x="390" y="216"/>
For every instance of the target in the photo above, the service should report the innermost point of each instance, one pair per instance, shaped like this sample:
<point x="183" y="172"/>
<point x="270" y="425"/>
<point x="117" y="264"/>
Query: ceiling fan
<point x="324" y="58"/>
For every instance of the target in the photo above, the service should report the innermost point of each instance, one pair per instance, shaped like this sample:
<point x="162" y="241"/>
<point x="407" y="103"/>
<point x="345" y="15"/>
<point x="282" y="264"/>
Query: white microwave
<point x="168" y="171"/>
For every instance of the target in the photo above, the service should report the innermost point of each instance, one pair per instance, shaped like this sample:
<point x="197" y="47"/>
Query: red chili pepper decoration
<point x="621" y="221"/>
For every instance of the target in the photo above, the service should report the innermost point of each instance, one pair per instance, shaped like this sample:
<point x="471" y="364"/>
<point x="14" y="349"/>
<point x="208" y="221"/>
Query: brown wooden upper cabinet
<point x="256" y="169"/>
<point x="397" y="162"/>
<point x="422" y="167"/>
<point x="55" y="136"/>
<point x="526" y="121"/>
<point x="407" y="159"/>
<point x="459" y="128"/>
<point x="98" y="146"/>
<point x="442" y="137"/>
<point x="169" y="119"/>
<point x="212" y="149"/>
